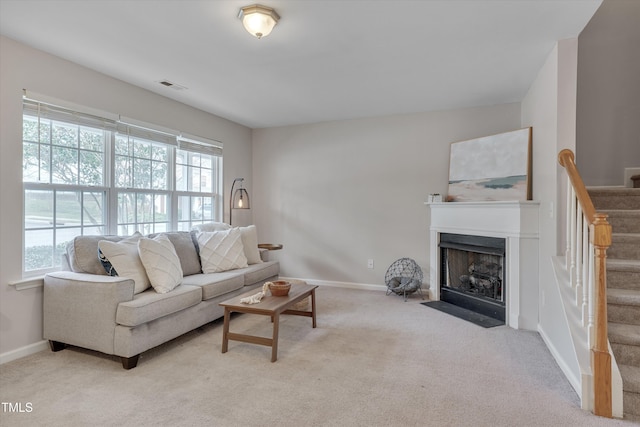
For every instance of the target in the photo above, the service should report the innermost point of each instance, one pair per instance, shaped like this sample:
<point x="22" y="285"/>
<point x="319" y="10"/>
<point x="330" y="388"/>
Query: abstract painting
<point x="491" y="168"/>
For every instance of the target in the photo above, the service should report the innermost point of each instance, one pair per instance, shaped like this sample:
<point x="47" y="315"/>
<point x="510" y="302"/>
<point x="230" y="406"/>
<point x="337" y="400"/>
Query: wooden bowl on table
<point x="280" y="288"/>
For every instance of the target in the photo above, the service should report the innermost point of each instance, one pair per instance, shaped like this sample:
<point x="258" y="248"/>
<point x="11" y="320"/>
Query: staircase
<point x="623" y="286"/>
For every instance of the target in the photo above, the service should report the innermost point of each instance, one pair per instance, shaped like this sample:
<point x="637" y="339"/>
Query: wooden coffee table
<point x="269" y="306"/>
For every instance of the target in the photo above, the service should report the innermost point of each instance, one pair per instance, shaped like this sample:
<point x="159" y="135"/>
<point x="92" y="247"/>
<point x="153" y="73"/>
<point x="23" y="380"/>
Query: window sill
<point x="29" y="283"/>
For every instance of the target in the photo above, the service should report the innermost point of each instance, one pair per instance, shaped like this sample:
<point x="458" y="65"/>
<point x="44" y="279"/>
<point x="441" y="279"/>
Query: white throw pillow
<point x="221" y="250"/>
<point x="211" y="226"/>
<point x="250" y="243"/>
<point x="123" y="256"/>
<point x="161" y="263"/>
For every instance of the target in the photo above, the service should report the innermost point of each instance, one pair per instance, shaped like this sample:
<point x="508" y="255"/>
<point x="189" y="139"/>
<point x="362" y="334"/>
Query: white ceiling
<point x="325" y="60"/>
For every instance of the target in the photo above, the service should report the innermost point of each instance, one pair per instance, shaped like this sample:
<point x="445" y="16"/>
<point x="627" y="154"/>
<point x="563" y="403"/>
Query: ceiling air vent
<point x="171" y="85"/>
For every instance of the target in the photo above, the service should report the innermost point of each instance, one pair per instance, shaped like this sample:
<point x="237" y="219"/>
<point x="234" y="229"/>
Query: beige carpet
<point x="373" y="360"/>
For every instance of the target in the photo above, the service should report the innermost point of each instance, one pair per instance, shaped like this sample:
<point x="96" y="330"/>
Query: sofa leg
<point x="56" y="345"/>
<point x="130" y="362"/>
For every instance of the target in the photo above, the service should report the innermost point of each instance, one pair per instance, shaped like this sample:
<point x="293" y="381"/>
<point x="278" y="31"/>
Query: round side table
<point x="270" y="246"/>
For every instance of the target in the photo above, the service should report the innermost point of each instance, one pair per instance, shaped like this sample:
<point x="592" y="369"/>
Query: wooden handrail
<point x="600" y="238"/>
<point x="567" y="160"/>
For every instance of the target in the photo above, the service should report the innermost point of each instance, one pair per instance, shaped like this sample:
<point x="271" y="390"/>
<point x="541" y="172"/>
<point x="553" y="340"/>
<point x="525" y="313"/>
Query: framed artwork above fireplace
<point x="491" y="168"/>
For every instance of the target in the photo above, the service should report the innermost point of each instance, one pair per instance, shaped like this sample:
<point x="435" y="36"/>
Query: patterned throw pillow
<point x="111" y="271"/>
<point x="221" y="250"/>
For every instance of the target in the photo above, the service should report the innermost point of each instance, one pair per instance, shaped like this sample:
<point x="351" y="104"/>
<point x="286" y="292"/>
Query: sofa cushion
<point x="82" y="254"/>
<point x="123" y="256"/>
<point x="216" y="284"/>
<point x="150" y="305"/>
<point x="186" y="250"/>
<point x="221" y="250"/>
<point x="250" y="244"/>
<point x="160" y="262"/>
<point x="257" y="272"/>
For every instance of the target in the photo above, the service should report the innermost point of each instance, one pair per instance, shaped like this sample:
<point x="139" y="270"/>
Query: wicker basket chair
<point x="404" y="277"/>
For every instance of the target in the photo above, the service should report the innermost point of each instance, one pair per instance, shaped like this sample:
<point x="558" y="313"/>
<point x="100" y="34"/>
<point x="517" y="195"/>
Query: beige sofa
<point x="85" y="307"/>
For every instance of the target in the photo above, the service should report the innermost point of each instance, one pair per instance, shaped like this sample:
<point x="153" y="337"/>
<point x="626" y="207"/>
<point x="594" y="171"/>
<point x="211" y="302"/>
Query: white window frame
<point x="171" y="139"/>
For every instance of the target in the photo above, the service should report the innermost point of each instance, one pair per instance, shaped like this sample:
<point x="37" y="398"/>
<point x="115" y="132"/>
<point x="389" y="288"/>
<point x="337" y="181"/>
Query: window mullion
<point x="39" y="149"/>
<point x="173" y="197"/>
<point x="78" y="156"/>
<point x="112" y="194"/>
<point x="55" y="226"/>
<point x="50" y="144"/>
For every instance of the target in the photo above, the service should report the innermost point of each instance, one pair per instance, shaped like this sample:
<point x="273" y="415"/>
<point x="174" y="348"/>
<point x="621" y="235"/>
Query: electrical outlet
<point x="369" y="263"/>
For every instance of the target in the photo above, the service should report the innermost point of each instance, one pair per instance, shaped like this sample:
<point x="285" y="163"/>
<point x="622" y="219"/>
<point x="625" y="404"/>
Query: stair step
<point x="630" y="378"/>
<point x="631" y="388"/>
<point x="629" y="297"/>
<point x="631" y="403"/>
<point x="624" y="246"/>
<point x="625" y="343"/>
<point x="623" y="306"/>
<point x="626" y="354"/>
<point x="622" y="273"/>
<point x="623" y="221"/>
<point x="614" y="197"/>
<point x="622" y="333"/>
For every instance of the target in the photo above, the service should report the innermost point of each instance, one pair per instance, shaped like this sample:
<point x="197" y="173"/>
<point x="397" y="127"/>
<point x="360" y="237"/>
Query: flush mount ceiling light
<point x="258" y="20"/>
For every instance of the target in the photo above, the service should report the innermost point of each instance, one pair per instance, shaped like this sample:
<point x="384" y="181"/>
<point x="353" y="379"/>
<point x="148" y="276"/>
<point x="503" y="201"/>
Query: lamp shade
<point x="241" y="199"/>
<point x="258" y="20"/>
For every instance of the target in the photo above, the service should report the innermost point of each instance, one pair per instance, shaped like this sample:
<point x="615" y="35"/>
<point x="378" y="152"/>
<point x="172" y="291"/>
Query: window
<point x="195" y="178"/>
<point x="87" y="175"/>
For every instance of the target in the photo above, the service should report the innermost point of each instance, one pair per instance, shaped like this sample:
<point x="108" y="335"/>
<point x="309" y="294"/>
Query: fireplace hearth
<point x="472" y="273"/>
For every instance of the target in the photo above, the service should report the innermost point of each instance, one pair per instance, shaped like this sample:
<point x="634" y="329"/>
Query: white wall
<point x="550" y="107"/>
<point x="339" y="193"/>
<point x="22" y="67"/>
<point x="609" y="93"/>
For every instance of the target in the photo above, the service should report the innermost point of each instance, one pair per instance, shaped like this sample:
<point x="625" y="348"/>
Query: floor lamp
<point x="239" y="199"/>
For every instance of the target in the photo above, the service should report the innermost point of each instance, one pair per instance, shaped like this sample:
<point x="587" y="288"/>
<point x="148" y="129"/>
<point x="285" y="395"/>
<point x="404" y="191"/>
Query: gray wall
<point x="550" y="108"/>
<point x="608" y="115"/>
<point x="339" y="193"/>
<point x="21" y="68"/>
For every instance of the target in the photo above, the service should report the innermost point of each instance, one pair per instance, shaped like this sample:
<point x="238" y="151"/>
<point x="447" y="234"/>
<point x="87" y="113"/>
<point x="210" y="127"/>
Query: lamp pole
<point x="231" y="198"/>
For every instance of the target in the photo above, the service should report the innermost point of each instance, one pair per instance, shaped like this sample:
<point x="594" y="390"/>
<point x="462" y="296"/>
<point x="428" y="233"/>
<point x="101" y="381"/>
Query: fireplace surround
<point x="513" y="222"/>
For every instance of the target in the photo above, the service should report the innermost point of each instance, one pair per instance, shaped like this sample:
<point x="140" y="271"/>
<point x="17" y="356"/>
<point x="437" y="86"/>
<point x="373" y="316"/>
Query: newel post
<point x="601" y="359"/>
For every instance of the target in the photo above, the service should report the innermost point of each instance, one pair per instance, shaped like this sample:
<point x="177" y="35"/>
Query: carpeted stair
<point x="623" y="282"/>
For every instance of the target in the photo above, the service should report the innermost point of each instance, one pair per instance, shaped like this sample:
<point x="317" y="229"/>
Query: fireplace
<point x="513" y="227"/>
<point x="472" y="273"/>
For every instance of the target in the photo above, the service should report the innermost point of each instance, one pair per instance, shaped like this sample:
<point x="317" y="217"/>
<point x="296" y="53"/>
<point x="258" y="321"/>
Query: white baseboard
<point x="25" y="351"/>
<point x="350" y="285"/>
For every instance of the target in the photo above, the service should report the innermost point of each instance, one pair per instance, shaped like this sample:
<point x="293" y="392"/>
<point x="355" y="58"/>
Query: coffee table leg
<point x="225" y="330"/>
<point x="313" y="306"/>
<point x="274" y="343"/>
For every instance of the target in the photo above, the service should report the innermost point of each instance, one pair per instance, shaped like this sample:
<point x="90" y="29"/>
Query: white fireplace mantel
<point x="517" y="223"/>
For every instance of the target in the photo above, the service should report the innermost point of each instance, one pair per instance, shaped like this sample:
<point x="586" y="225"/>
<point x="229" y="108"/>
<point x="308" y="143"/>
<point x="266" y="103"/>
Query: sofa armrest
<point x="80" y="309"/>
